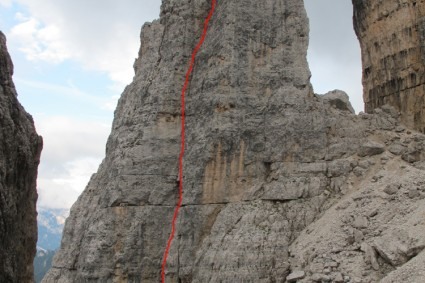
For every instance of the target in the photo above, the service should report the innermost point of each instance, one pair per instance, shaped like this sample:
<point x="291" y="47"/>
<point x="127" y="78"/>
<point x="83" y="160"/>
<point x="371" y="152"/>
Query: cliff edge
<point x="20" y="149"/>
<point x="392" y="40"/>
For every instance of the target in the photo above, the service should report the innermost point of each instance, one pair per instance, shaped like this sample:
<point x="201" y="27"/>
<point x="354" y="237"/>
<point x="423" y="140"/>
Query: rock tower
<point x="20" y="148"/>
<point x="392" y="39"/>
<point x="279" y="183"/>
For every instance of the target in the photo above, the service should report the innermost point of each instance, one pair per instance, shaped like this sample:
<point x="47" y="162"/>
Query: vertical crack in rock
<point x="20" y="149"/>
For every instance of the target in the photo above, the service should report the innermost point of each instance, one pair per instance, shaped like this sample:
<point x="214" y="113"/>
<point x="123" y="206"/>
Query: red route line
<point x="183" y="113"/>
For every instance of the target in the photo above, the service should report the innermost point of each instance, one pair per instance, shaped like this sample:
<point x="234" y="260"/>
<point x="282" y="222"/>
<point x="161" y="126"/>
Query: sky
<point x="73" y="59"/>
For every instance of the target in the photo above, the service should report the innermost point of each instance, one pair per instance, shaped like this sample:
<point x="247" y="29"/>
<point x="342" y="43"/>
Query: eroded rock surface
<point x="20" y="148"/>
<point x="392" y="36"/>
<point x="266" y="159"/>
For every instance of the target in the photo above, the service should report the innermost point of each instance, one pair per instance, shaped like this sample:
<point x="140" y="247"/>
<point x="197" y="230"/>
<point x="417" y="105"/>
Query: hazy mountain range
<point x="50" y="225"/>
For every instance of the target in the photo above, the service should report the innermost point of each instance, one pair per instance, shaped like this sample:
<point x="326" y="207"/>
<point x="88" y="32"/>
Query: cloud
<point x="71" y="91"/>
<point x="63" y="190"/>
<point x="5" y="3"/>
<point x="38" y="42"/>
<point x="111" y="104"/>
<point x="329" y="74"/>
<point x="73" y="150"/>
<point x="334" y="52"/>
<point x="102" y="36"/>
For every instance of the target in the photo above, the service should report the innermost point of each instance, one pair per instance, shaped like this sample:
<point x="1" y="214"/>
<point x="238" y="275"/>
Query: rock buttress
<point x="20" y="149"/>
<point x="392" y="40"/>
<point x="265" y="156"/>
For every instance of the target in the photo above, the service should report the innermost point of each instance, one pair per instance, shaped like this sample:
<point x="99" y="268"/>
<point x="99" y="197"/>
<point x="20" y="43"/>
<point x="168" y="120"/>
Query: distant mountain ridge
<point x="50" y="226"/>
<point x="42" y="263"/>
<point x="50" y="223"/>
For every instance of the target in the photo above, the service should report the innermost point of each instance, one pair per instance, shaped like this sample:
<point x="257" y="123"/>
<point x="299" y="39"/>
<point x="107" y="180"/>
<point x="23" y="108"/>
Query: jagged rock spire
<point x="20" y="149"/>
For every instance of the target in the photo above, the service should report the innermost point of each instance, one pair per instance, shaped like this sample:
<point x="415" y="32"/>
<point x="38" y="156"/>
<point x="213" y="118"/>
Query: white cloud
<point x="334" y="51"/>
<point x="74" y="92"/>
<point x="5" y="3"/>
<point x="329" y="74"/>
<point x="62" y="192"/>
<point x="73" y="150"/>
<point x="38" y="42"/>
<point x="101" y="35"/>
<point x="61" y="219"/>
<point x="111" y="104"/>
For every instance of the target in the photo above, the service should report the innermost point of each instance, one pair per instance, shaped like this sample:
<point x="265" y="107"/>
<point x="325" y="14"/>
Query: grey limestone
<point x="267" y="162"/>
<point x="20" y="149"/>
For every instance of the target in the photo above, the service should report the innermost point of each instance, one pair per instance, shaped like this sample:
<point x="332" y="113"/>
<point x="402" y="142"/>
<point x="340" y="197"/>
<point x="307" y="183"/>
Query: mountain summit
<point x="279" y="183"/>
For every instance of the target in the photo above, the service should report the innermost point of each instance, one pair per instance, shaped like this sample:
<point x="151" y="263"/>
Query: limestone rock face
<point x="392" y="36"/>
<point x="265" y="157"/>
<point x="20" y="148"/>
